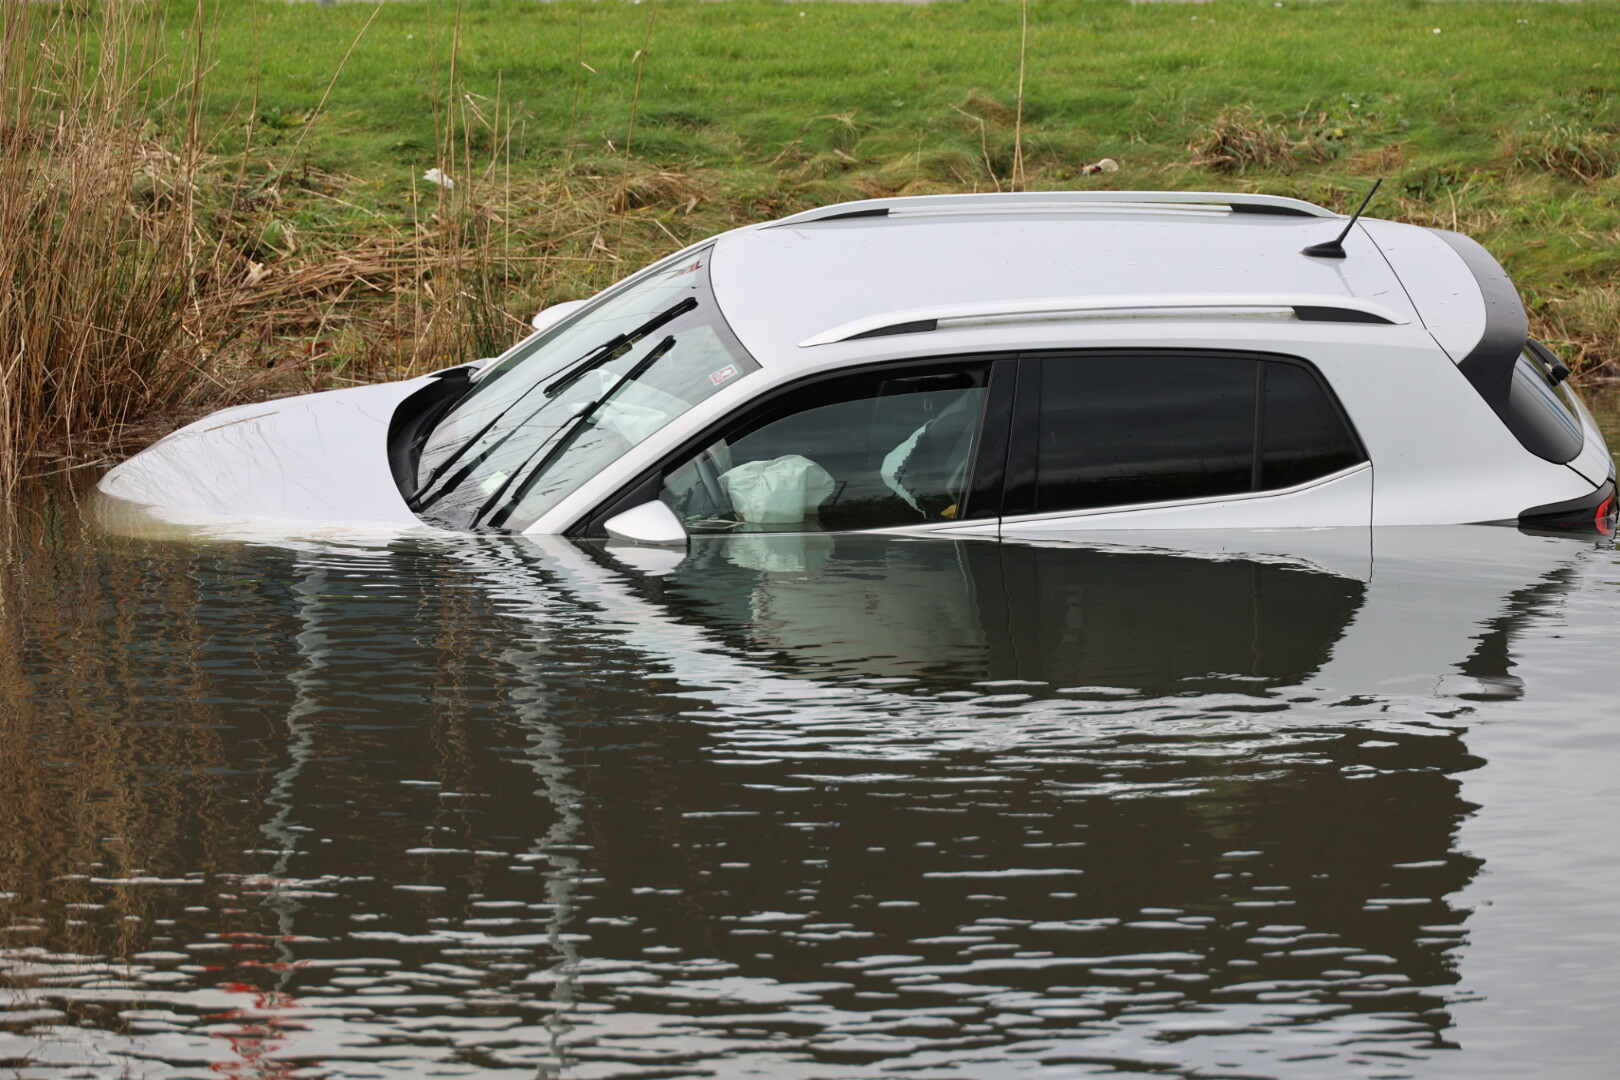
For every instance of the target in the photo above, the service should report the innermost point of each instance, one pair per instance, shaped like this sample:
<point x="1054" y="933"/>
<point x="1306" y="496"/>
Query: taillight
<point x="1595" y="511"/>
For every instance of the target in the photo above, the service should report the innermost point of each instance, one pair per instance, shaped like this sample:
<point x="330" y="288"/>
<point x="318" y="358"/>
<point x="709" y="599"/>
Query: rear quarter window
<point x="1302" y="433"/>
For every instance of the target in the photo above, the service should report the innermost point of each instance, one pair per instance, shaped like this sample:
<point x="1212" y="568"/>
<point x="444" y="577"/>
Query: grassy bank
<point x="587" y="138"/>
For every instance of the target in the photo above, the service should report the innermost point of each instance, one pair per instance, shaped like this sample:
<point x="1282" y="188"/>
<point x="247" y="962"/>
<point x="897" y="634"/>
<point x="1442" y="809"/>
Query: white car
<point x="969" y="365"/>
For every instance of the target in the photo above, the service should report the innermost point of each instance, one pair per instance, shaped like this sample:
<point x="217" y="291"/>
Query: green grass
<point x="724" y="84"/>
<point x="1505" y="124"/>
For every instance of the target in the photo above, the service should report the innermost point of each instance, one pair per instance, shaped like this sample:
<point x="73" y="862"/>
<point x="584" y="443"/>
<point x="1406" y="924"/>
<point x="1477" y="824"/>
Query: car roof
<point x="850" y="270"/>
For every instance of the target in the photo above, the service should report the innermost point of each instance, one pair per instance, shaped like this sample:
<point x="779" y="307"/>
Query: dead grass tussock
<point x="1573" y="151"/>
<point x="821" y="167"/>
<point x="1241" y="138"/>
<point x="984" y="107"/>
<point x="1378" y="160"/>
<point x="1583" y="325"/>
<point x="841" y="130"/>
<point x="876" y="186"/>
<point x="656" y="189"/>
<point x="950" y="167"/>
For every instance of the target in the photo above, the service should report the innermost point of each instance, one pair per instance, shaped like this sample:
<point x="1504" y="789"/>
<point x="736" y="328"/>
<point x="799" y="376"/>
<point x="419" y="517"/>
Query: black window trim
<point x="985" y="483"/>
<point x="1018" y="499"/>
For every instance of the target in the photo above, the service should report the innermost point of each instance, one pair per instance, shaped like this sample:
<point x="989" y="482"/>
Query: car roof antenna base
<point x="1334" y="249"/>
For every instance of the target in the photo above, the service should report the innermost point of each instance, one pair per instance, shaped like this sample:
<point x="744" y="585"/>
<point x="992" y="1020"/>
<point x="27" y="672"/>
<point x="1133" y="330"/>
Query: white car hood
<point x="315" y="459"/>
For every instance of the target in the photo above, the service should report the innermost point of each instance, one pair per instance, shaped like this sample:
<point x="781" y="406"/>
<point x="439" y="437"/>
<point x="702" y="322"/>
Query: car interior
<point x="863" y="453"/>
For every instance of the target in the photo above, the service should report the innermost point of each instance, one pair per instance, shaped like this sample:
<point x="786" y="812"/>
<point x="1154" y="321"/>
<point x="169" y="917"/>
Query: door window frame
<point x="985" y="482"/>
<point x="1023" y="445"/>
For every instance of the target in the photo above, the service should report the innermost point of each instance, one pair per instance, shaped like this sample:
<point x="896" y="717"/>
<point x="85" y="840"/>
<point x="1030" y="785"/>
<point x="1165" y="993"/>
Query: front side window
<point x="1129" y="428"/>
<point x="876" y="450"/>
<point x="566" y="404"/>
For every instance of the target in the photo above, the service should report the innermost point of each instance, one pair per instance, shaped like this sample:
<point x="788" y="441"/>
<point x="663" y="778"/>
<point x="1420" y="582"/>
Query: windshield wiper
<point x="614" y="348"/>
<point x="560" y="440"/>
<point x="605" y="353"/>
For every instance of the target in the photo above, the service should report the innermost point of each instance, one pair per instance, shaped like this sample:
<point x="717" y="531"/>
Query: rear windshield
<point x="1539" y="413"/>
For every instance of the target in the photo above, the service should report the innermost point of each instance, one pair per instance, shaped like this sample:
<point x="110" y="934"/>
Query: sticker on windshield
<point x="724" y="375"/>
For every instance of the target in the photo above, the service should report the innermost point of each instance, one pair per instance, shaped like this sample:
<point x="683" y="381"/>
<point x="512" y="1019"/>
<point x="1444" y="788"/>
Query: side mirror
<point x="546" y="318"/>
<point x="651" y="523"/>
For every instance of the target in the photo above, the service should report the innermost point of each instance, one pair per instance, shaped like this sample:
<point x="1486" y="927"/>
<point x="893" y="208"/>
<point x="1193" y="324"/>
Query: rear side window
<point x="1302" y="435"/>
<point x="1120" y="429"/>
<point x="1144" y="429"/>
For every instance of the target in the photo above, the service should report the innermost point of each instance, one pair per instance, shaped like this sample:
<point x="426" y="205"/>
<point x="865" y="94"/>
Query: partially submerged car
<point x="970" y="365"/>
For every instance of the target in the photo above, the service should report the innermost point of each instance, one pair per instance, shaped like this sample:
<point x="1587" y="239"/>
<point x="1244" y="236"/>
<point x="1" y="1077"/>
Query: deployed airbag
<point x="929" y="469"/>
<point x="782" y="491"/>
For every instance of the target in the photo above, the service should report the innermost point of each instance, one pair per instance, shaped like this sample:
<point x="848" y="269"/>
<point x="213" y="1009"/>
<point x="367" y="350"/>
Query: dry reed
<point x="99" y="266"/>
<point x="138" y="287"/>
<point x="1017" y="180"/>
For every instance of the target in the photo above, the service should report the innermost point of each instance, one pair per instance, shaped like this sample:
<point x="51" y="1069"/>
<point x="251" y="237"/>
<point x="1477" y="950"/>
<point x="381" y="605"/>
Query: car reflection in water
<point x="832" y="803"/>
<point x="1233" y="612"/>
<point x="1065" y="802"/>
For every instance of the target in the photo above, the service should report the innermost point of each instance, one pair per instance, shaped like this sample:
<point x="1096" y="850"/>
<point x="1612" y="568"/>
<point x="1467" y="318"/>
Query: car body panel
<point x="1441" y="455"/>
<point x="317" y="457"/>
<point x="782" y="285"/>
<point x="1438" y="282"/>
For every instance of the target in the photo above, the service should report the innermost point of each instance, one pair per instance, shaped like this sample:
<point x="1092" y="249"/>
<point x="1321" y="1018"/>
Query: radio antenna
<point x="1334" y="249"/>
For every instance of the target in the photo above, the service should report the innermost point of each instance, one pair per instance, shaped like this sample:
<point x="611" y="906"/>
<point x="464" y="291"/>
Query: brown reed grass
<point x="99" y="268"/>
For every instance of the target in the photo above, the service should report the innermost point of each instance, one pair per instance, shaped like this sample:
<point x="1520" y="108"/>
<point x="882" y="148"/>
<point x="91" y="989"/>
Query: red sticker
<point x="724" y="375"/>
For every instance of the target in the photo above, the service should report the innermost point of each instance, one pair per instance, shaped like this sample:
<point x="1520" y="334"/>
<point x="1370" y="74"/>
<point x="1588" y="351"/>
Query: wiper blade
<point x="614" y="348"/>
<point x="560" y="440"/>
<point x="604" y="353"/>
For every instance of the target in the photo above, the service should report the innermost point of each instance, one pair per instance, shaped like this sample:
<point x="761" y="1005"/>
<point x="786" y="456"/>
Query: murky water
<point x="845" y="808"/>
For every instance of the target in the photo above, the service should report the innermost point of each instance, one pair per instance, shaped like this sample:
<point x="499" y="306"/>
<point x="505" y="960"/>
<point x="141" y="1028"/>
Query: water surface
<point x="838" y="808"/>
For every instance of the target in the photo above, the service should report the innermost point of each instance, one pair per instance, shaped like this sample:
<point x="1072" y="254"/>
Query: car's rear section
<point x="1470" y="307"/>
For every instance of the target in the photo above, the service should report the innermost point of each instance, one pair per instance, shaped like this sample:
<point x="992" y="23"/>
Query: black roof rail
<point x="1013" y="202"/>
<point x="1235" y="207"/>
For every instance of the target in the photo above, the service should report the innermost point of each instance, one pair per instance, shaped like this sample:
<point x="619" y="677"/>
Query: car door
<point x="912" y="446"/>
<point x="1179" y="439"/>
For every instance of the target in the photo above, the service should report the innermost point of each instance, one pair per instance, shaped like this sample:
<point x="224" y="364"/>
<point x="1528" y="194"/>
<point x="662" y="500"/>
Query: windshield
<point x="564" y="405"/>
